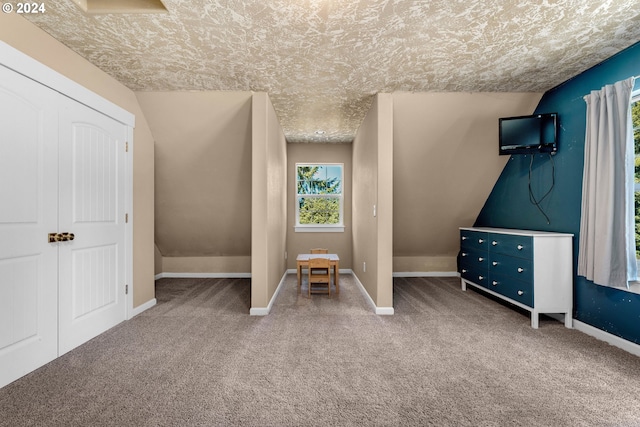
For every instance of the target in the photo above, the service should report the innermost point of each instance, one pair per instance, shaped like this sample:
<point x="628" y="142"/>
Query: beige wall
<point x="26" y="37"/>
<point x="339" y="243"/>
<point x="203" y="179"/>
<point x="446" y="162"/>
<point x="385" y="212"/>
<point x="372" y="185"/>
<point x="269" y="203"/>
<point x="157" y="260"/>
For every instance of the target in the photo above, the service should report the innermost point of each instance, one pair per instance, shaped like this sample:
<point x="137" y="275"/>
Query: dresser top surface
<point x="517" y="232"/>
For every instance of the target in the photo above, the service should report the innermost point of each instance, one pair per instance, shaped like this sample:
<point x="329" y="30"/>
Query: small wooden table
<point x="303" y="261"/>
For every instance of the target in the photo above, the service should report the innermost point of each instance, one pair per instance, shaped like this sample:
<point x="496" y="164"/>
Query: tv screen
<point x="528" y="134"/>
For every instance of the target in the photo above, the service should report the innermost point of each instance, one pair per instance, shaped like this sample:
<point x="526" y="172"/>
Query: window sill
<point x="634" y="287"/>
<point x="319" y="229"/>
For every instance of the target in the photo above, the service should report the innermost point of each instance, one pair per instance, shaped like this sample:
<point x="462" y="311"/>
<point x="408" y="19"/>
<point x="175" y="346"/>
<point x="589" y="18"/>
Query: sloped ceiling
<point x="321" y="61"/>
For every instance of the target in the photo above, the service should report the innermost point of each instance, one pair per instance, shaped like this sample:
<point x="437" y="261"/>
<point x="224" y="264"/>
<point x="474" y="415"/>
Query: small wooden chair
<point x="319" y="274"/>
<point x="320" y="251"/>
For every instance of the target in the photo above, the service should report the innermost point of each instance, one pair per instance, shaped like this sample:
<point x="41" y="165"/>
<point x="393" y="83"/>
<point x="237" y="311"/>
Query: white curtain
<point x="607" y="226"/>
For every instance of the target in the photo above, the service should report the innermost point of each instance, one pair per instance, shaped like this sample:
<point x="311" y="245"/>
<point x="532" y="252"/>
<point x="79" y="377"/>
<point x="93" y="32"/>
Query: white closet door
<point x="92" y="207"/>
<point x="28" y="212"/>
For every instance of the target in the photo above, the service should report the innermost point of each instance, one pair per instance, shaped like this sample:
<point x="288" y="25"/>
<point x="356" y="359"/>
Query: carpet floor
<point x="445" y="358"/>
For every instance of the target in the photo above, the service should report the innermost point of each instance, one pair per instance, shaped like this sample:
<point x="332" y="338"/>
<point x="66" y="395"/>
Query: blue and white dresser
<point x="530" y="269"/>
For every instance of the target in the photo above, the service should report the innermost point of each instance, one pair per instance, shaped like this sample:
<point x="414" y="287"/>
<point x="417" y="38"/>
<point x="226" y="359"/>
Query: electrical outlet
<point x="374" y="210"/>
<point x="364" y="266"/>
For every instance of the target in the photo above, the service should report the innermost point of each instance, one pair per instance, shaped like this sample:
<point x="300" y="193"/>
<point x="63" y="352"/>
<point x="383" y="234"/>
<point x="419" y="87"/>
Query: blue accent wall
<point x="508" y="206"/>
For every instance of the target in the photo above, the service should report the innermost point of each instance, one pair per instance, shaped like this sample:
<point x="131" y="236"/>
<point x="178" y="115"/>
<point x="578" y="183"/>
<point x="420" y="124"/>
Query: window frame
<point x="319" y="228"/>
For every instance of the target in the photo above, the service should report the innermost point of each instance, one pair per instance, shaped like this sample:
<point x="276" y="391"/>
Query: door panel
<point x="19" y="303"/>
<point x="28" y="212"/>
<point x="94" y="178"/>
<point x="22" y="139"/>
<point x="94" y="279"/>
<point x="92" y="203"/>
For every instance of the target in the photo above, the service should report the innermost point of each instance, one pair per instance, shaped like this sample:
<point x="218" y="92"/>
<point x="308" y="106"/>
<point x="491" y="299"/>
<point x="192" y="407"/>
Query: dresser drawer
<point x="517" y="290"/>
<point x="474" y="240"/>
<point x="480" y="278"/>
<point x="505" y="265"/>
<point x="477" y="260"/>
<point x="510" y="244"/>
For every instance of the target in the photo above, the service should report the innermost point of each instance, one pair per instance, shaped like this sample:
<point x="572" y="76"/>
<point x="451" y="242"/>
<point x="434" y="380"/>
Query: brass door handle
<point x="54" y="237"/>
<point x="60" y="237"/>
<point x="68" y="237"/>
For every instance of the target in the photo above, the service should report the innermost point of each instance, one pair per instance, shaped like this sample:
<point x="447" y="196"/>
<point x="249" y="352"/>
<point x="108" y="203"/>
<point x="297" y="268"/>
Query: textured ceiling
<point x="321" y="61"/>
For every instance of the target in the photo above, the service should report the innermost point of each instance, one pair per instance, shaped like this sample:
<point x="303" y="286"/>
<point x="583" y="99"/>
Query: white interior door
<point x="28" y="212"/>
<point x="62" y="169"/>
<point x="92" y="208"/>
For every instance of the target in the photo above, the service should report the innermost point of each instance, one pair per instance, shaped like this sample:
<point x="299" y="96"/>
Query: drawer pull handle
<point x="520" y="293"/>
<point x="480" y="259"/>
<point x="494" y="243"/>
<point x="480" y="277"/>
<point x="464" y="237"/>
<point x="520" y="247"/>
<point x="464" y="271"/>
<point x="494" y="283"/>
<point x="495" y="263"/>
<point x="480" y="241"/>
<point x="464" y="254"/>
<point x="520" y="269"/>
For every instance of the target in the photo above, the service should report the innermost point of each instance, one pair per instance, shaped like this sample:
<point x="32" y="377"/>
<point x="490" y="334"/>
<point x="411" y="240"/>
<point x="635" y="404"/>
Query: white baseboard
<point x="382" y="311"/>
<point x="614" y="340"/>
<point x="142" y="307"/>
<point x="385" y="311"/>
<point x="203" y="276"/>
<point x="263" y="311"/>
<point x="426" y="274"/>
<point x="259" y="311"/>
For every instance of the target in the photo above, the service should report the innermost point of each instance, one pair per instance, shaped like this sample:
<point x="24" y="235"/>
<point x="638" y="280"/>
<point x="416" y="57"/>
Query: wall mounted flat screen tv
<point x="528" y="134"/>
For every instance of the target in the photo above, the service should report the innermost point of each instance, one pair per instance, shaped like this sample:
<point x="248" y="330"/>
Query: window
<point x="635" y="118"/>
<point x="319" y="197"/>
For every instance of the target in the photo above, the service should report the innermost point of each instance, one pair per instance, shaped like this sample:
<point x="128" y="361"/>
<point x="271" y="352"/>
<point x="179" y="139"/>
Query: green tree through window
<point x="319" y="194"/>
<point x="635" y="115"/>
